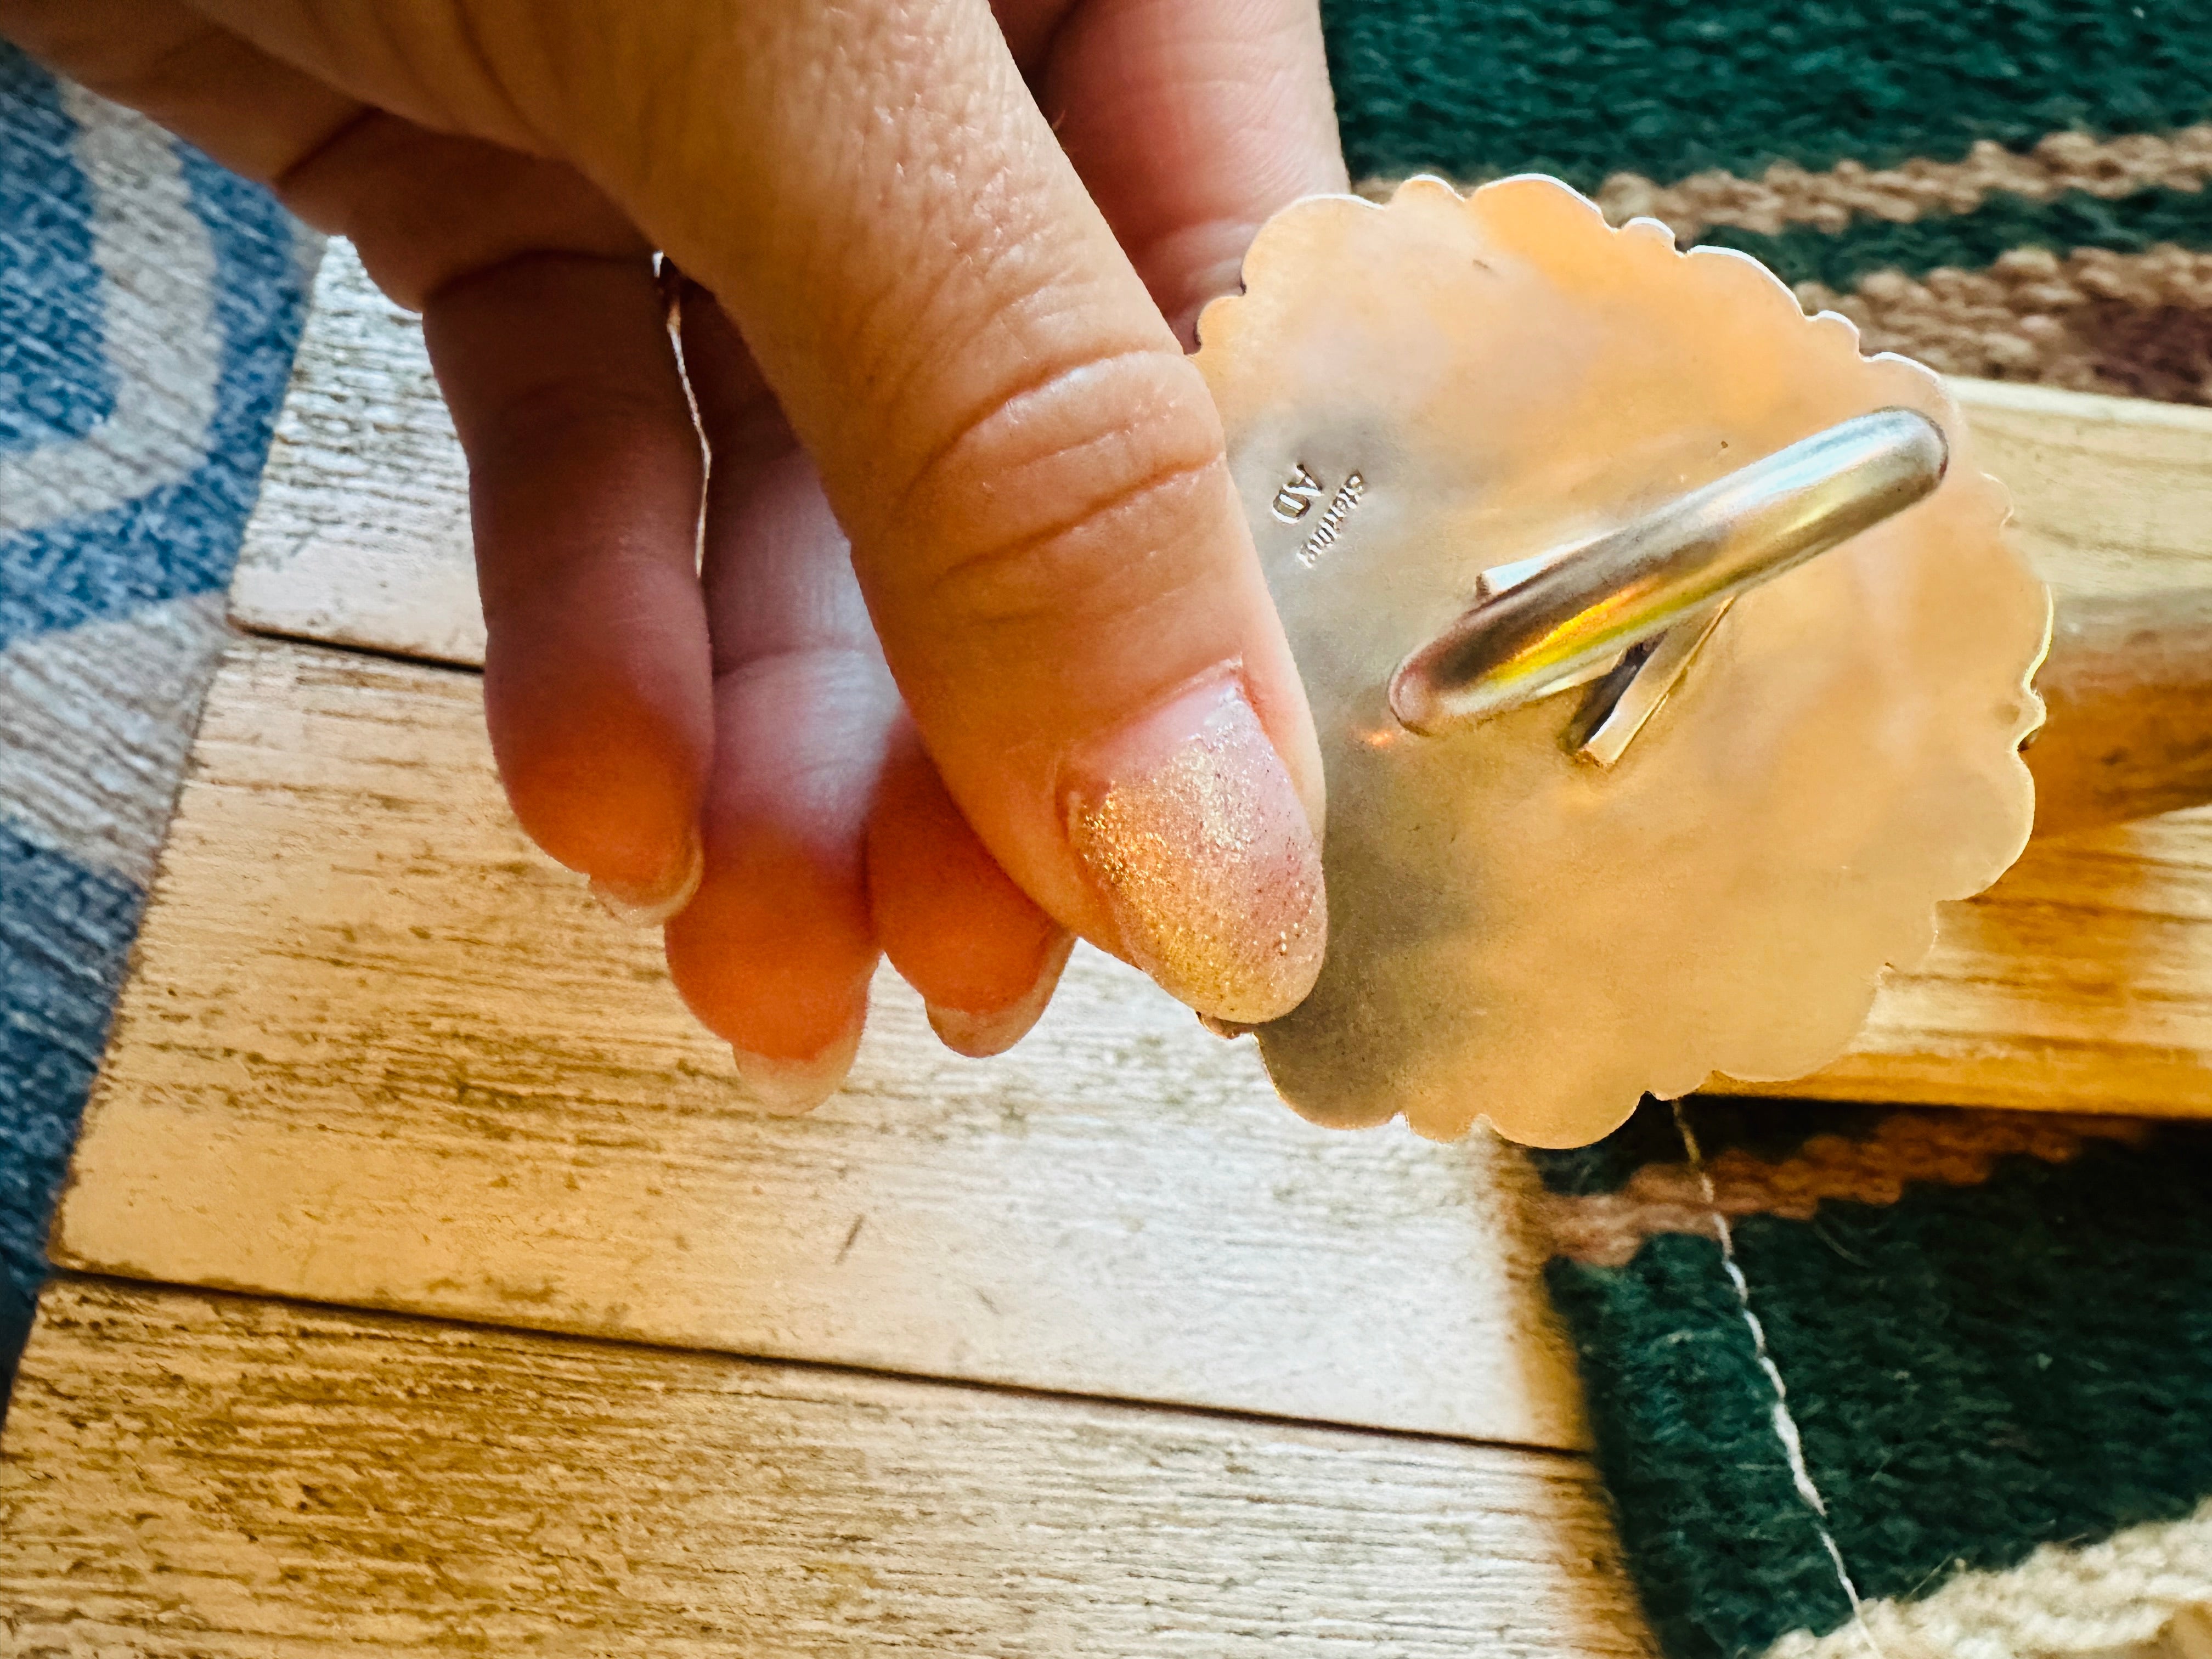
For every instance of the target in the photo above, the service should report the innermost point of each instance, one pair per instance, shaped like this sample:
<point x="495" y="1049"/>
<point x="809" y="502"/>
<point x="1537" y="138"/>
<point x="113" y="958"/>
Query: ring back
<point x="1420" y="394"/>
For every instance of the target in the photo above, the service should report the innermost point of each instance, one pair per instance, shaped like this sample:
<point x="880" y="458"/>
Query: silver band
<point x="1551" y="630"/>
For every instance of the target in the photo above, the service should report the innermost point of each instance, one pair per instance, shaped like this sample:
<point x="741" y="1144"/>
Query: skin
<point x="965" y="513"/>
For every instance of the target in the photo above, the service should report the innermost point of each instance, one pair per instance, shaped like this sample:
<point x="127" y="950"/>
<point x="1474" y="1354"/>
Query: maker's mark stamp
<point x="1353" y="491"/>
<point x="1295" y="499"/>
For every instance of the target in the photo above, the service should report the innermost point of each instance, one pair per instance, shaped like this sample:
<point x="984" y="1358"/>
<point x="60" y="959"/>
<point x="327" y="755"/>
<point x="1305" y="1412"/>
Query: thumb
<point x="1031" y="472"/>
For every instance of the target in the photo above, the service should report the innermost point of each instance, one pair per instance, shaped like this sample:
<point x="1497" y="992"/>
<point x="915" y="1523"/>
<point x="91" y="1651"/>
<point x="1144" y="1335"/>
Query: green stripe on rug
<point x="1973" y="1372"/>
<point x="1588" y="87"/>
<point x="1724" y="1552"/>
<point x="1968" y="241"/>
<point x="1978" y="1371"/>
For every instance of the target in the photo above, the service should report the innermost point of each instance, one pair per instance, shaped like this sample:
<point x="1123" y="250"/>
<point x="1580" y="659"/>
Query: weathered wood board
<point x="194" y="1476"/>
<point x="361" y="534"/>
<point x="2111" y="495"/>
<point x="2082" y="982"/>
<point x="377" y="1051"/>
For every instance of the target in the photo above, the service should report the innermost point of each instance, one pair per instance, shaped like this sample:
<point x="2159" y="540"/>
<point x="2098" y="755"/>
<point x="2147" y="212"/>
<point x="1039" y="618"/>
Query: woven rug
<point x="149" y="305"/>
<point x="1886" y="1383"/>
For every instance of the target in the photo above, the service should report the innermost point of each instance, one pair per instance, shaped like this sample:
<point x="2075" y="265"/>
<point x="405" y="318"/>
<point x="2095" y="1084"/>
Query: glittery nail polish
<point x="1190" y="826"/>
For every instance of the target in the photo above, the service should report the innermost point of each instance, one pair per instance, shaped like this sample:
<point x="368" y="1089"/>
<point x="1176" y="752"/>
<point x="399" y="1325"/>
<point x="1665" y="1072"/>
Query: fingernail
<point x="650" y="906"/>
<point x="1189" y="825"/>
<point x="789" y="1087"/>
<point x="981" y="1035"/>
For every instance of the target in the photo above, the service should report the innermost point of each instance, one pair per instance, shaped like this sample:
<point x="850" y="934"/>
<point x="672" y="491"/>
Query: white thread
<point x="1785" y="1426"/>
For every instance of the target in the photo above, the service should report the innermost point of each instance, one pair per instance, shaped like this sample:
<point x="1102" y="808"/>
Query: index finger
<point x="1192" y="122"/>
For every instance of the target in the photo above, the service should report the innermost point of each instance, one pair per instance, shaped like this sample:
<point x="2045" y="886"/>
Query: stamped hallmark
<point x="1295" y="499"/>
<point x="1331" y="526"/>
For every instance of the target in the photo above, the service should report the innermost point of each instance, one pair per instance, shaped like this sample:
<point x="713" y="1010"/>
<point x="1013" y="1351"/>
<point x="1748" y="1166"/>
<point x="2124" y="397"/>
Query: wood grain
<point x="360" y="534"/>
<point x="377" y="1051"/>
<point x="2082" y="982"/>
<point x="2128" y="686"/>
<point x="2111" y="495"/>
<point x="193" y="1476"/>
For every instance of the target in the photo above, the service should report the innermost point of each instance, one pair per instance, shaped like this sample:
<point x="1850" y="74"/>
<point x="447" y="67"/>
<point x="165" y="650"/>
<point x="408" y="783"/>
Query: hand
<point x="936" y="265"/>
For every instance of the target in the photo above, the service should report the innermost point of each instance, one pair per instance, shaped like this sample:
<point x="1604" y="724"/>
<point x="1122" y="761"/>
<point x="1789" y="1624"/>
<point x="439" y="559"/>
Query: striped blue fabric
<point x="150" y="303"/>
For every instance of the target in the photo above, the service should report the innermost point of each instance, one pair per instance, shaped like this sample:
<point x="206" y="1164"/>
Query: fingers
<point x="1192" y="121"/>
<point x="1031" y="472"/>
<point x="584" y="480"/>
<point x="808" y="823"/>
<point x="776" y="953"/>
<point x="563" y="442"/>
<point x="426" y="210"/>
<point x="983" y="956"/>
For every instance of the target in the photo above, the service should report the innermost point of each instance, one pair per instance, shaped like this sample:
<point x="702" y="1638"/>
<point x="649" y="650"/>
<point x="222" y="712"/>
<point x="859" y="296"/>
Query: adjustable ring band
<point x="1598" y="601"/>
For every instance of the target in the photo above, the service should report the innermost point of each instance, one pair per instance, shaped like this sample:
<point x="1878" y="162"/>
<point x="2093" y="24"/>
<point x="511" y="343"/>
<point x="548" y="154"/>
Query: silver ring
<point x="1598" y="601"/>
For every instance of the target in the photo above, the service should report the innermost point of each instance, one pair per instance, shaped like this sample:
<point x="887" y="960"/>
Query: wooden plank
<point x="191" y="1476"/>
<point x="2081" y="982"/>
<point x="379" y="1052"/>
<point x="2111" y="495"/>
<point x="361" y="536"/>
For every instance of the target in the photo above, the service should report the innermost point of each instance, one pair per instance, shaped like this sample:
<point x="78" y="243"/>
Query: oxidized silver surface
<point x="1420" y="392"/>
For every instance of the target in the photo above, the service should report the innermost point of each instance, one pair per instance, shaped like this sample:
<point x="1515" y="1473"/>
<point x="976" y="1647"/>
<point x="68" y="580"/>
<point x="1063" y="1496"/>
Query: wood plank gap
<point x="831" y="1368"/>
